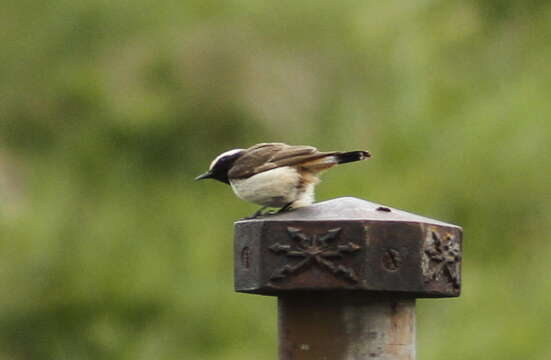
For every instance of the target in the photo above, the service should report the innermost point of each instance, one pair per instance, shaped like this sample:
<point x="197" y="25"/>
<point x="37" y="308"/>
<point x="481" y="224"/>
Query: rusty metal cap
<point x="348" y="244"/>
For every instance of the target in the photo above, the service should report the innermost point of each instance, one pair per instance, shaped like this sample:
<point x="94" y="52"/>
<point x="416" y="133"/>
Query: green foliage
<point x="109" y="250"/>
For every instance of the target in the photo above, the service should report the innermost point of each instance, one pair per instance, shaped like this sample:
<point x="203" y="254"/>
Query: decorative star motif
<point x="441" y="258"/>
<point x="318" y="249"/>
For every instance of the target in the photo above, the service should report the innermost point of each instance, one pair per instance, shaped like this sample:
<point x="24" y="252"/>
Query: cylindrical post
<point x="345" y="326"/>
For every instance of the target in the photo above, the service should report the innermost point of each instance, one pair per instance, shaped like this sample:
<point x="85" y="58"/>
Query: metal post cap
<point x="348" y="244"/>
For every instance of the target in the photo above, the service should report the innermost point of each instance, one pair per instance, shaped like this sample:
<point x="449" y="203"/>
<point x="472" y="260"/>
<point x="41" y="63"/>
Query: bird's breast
<point x="276" y="187"/>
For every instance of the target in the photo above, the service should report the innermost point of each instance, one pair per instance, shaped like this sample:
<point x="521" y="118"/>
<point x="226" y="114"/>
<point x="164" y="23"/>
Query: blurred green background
<point x="109" y="109"/>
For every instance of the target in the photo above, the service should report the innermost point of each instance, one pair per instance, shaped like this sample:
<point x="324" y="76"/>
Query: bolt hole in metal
<point x="392" y="260"/>
<point x="246" y="257"/>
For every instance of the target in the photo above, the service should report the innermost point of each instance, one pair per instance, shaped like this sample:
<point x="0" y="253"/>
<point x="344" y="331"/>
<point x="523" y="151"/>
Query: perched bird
<point x="276" y="174"/>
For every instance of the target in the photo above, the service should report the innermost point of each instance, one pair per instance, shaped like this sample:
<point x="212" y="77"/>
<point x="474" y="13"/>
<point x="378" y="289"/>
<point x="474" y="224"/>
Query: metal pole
<point x="346" y="273"/>
<point x="345" y="326"/>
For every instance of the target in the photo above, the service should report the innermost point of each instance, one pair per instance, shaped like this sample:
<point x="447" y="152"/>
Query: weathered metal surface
<point x="441" y="258"/>
<point x="348" y="244"/>
<point x="345" y="326"/>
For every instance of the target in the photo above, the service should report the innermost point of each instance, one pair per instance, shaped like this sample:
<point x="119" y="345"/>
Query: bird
<point x="276" y="175"/>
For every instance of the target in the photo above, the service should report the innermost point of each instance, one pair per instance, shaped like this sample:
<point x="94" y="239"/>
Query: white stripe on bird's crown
<point x="224" y="154"/>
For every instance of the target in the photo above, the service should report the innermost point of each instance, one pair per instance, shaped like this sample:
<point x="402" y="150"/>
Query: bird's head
<point x="219" y="167"/>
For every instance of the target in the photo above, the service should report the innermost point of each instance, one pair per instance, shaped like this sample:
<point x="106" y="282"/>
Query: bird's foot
<point x="260" y="212"/>
<point x="286" y="208"/>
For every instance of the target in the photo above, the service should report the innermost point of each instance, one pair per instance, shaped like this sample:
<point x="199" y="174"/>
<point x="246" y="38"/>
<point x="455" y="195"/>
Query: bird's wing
<point x="267" y="156"/>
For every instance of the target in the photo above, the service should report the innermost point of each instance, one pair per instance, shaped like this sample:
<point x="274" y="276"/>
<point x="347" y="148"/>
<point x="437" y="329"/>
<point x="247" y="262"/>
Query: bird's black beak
<point x="206" y="175"/>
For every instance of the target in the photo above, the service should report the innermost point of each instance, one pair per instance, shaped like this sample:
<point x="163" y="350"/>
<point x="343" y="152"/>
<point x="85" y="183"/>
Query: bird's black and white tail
<point x="328" y="160"/>
<point x="351" y="156"/>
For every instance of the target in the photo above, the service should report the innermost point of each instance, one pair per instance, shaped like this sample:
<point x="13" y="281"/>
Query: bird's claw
<point x="257" y="214"/>
<point x="286" y="208"/>
<point x="261" y="213"/>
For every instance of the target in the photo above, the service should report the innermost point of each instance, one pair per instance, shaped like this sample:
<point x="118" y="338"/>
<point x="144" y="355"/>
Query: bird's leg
<point x="258" y="213"/>
<point x="287" y="207"/>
